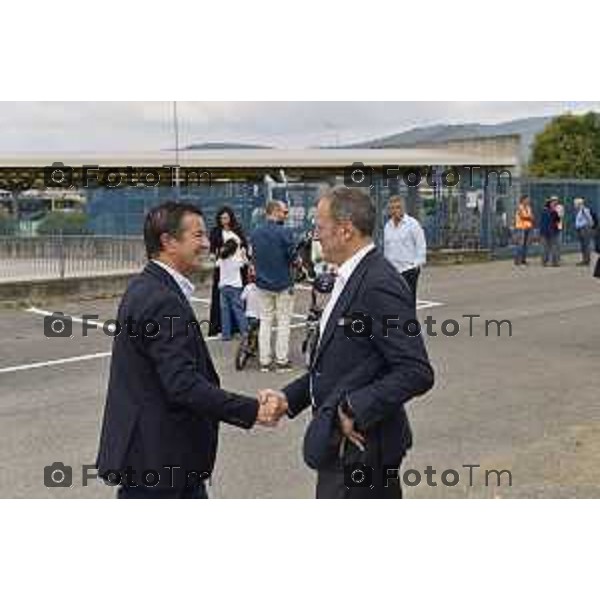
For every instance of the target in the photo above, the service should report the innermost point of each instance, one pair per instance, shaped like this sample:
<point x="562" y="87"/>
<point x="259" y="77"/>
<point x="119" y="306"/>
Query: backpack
<point x="594" y="217"/>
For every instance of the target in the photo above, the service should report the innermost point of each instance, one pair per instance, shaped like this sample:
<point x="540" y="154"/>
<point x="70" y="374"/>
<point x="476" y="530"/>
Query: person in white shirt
<point x="251" y="298"/>
<point x="230" y="262"/>
<point x="404" y="243"/>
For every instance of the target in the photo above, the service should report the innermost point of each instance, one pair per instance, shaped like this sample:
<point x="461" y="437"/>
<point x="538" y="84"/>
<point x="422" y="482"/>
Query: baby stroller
<point x="322" y="286"/>
<point x="248" y="347"/>
<point x="304" y="270"/>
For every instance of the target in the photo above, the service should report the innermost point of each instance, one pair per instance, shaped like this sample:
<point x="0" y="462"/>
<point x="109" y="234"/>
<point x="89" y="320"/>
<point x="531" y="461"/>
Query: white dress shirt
<point x="343" y="275"/>
<point x="404" y="244"/>
<point x="186" y="286"/>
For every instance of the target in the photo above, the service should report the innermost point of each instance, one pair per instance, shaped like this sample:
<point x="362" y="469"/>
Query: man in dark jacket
<point x="274" y="251"/>
<point x="164" y="403"/>
<point x="367" y="365"/>
<point x="550" y="233"/>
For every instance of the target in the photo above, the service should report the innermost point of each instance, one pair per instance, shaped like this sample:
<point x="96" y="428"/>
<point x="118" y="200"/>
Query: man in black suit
<point x="164" y="403"/>
<point x="367" y="365"/>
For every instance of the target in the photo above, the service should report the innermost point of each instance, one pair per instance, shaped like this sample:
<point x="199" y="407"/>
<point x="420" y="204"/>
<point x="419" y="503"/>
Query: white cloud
<point x="131" y="126"/>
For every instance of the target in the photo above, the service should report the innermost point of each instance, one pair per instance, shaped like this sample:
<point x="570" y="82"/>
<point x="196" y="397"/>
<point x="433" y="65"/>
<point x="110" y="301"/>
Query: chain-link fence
<point x="474" y="212"/>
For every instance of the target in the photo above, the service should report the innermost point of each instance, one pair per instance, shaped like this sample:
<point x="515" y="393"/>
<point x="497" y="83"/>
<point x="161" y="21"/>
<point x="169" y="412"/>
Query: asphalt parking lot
<point x="527" y="403"/>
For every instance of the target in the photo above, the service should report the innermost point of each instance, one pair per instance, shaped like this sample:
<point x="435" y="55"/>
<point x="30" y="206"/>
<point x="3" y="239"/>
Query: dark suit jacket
<point x="164" y="401"/>
<point x="378" y="374"/>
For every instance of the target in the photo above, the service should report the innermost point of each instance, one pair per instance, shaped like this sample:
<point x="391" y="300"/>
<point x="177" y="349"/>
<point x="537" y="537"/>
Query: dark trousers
<point x="585" y="239"/>
<point x="551" y="249"/>
<point x="351" y="477"/>
<point x="522" y="246"/>
<point x="141" y="492"/>
<point x="412" y="277"/>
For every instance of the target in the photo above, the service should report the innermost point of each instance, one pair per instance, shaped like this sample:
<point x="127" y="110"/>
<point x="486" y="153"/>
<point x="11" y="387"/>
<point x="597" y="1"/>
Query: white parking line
<point x="421" y="305"/>
<point x="206" y="301"/>
<point x="51" y="363"/>
<point x="47" y="313"/>
<point x="84" y="357"/>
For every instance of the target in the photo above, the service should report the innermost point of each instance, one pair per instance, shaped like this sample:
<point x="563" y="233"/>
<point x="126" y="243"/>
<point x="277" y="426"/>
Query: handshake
<point x="272" y="405"/>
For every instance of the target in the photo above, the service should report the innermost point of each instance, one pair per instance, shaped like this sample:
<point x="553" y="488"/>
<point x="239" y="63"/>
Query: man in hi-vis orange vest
<point x="524" y="227"/>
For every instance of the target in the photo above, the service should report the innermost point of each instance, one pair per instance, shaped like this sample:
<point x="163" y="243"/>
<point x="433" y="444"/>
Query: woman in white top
<point x="226" y="227"/>
<point x="232" y="259"/>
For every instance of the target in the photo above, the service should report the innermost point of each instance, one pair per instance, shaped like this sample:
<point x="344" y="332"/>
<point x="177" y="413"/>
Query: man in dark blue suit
<point x="367" y="365"/>
<point x="164" y="401"/>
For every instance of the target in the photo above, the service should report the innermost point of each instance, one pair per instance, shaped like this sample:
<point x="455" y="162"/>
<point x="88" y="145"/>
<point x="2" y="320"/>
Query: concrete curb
<point x="19" y="294"/>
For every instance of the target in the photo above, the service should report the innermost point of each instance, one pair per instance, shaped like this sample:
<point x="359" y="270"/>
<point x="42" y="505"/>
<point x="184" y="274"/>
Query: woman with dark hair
<point x="230" y="263"/>
<point x="226" y="228"/>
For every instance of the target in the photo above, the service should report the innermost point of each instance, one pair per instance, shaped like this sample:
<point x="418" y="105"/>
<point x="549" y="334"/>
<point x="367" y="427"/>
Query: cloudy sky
<point x="148" y="126"/>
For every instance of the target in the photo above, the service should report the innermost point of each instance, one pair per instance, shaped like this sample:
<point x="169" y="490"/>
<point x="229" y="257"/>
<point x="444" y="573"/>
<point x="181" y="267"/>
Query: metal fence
<point x="51" y="257"/>
<point x="472" y="214"/>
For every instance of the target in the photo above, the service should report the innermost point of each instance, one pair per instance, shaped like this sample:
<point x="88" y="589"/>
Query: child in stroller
<point x="248" y="347"/>
<point x="321" y="288"/>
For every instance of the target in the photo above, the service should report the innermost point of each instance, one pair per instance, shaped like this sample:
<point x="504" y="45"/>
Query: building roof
<point x="269" y="158"/>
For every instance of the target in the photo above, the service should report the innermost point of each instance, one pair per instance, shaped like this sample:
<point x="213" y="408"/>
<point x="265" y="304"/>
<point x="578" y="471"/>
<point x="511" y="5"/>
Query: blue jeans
<point x="522" y="245"/>
<point x="232" y="311"/>
<point x="551" y="245"/>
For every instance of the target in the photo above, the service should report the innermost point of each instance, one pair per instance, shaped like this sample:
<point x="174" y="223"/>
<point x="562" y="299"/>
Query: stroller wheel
<point x="242" y="355"/>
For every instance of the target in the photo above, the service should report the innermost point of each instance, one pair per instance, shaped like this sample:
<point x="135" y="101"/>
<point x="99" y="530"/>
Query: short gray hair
<point x="397" y="200"/>
<point x="272" y="206"/>
<point x="354" y="205"/>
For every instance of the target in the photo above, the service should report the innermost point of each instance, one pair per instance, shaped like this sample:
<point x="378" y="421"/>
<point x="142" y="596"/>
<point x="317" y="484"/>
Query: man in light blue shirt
<point x="404" y="243"/>
<point x="584" y="225"/>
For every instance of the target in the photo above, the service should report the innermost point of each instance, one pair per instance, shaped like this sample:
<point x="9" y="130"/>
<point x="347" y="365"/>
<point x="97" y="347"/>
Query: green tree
<point x="68" y="223"/>
<point x="569" y="147"/>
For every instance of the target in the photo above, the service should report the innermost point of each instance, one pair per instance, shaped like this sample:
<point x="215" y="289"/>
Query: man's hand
<point x="272" y="406"/>
<point x="348" y="431"/>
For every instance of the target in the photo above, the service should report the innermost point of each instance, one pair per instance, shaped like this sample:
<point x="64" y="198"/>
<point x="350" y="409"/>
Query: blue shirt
<point x="404" y="244"/>
<point x="273" y="249"/>
<point x="583" y="218"/>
